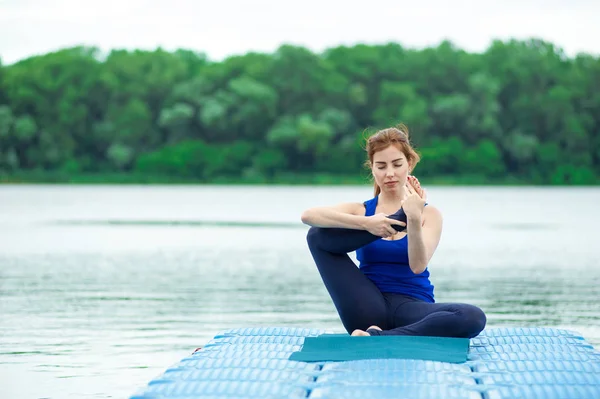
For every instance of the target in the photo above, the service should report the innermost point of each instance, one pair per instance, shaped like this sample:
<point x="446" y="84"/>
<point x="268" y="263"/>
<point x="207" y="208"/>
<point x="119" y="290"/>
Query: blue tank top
<point x="385" y="263"/>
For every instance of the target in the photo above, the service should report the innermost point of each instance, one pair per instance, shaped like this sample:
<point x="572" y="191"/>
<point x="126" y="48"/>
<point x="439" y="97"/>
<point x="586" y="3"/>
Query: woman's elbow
<point x="418" y="269"/>
<point x="306" y="217"/>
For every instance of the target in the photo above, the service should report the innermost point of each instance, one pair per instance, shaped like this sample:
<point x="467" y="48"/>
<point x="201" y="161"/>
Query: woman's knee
<point x="314" y="237"/>
<point x="473" y="319"/>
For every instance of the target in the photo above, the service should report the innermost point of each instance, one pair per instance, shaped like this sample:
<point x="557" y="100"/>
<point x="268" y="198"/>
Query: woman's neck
<point x="392" y="199"/>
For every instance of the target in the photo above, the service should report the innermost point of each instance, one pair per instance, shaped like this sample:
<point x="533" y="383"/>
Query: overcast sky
<point x="224" y="27"/>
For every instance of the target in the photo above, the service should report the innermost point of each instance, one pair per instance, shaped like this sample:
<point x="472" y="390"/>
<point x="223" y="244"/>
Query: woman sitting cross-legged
<point x="394" y="234"/>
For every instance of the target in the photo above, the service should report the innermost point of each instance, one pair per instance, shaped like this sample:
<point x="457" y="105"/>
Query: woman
<point x="394" y="234"/>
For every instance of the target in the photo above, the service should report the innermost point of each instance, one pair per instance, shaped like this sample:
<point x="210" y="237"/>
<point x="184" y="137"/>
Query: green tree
<point x="400" y="102"/>
<point x="3" y="95"/>
<point x="304" y="82"/>
<point x="520" y="109"/>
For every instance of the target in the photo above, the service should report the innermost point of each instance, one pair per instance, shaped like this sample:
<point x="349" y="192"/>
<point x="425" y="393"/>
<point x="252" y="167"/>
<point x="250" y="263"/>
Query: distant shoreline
<point x="281" y="180"/>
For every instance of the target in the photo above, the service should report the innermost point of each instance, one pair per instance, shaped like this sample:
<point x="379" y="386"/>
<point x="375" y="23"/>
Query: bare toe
<point x="360" y="333"/>
<point x="374" y="328"/>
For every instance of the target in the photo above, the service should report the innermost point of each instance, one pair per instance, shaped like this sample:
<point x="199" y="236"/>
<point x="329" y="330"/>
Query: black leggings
<point x="360" y="304"/>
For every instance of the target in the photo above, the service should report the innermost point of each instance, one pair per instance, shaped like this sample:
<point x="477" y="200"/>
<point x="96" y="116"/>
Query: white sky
<point x="224" y="27"/>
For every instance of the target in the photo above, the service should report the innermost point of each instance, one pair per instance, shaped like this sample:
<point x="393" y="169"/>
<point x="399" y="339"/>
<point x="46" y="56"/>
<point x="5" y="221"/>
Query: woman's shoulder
<point x="370" y="205"/>
<point x="371" y="201"/>
<point x="431" y="211"/>
<point x="430" y="207"/>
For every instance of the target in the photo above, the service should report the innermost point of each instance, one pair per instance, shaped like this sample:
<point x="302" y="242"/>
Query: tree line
<point x="521" y="109"/>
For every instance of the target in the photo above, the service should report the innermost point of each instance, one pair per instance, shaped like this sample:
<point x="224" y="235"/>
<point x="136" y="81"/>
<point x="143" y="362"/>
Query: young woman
<point x="394" y="234"/>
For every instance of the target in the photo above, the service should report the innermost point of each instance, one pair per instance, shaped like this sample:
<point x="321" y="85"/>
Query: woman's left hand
<point x="415" y="184"/>
<point x="414" y="198"/>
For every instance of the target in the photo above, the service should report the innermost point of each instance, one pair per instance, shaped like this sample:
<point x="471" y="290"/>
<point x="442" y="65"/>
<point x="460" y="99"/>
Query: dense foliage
<point x="520" y="109"/>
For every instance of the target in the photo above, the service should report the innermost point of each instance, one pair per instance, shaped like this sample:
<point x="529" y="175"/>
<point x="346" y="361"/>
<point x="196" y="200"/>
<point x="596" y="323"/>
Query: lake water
<point x="103" y="287"/>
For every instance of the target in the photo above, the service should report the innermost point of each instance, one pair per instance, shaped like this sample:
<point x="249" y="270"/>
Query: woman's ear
<point x="411" y="167"/>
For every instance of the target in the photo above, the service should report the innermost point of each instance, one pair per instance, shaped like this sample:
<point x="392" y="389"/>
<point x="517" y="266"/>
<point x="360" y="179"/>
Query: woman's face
<point x="390" y="169"/>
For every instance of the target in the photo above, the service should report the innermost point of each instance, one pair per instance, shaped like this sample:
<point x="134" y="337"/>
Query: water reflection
<point x="97" y="305"/>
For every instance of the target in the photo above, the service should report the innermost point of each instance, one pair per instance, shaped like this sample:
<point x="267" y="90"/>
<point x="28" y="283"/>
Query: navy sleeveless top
<point x="385" y="263"/>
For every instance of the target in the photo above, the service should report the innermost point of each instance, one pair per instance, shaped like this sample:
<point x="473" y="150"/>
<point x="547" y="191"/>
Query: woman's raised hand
<point x="413" y="182"/>
<point x="414" y="198"/>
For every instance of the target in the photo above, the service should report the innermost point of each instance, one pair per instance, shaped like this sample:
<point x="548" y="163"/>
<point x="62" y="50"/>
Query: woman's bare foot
<point x="361" y="333"/>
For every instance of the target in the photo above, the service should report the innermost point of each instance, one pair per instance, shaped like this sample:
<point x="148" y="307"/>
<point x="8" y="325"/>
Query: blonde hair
<point x="382" y="139"/>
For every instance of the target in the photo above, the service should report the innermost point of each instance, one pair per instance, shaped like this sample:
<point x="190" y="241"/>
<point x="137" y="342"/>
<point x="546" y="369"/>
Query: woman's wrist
<point x="414" y="219"/>
<point x="361" y="222"/>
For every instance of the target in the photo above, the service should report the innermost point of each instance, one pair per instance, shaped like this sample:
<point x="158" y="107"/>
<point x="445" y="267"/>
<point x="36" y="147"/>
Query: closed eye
<point x="395" y="166"/>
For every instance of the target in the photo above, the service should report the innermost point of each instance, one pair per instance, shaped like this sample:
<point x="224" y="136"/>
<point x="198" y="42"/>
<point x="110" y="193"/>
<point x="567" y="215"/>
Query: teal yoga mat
<point x="342" y="347"/>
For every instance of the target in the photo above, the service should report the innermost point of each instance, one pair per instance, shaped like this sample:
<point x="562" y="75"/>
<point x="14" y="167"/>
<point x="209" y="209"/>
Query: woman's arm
<point x="347" y="215"/>
<point x="423" y="238"/>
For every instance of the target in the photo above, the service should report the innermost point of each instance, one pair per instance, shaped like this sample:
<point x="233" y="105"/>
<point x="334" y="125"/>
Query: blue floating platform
<point x="503" y="363"/>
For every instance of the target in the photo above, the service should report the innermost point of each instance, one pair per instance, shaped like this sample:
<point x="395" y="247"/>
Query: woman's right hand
<point x="381" y="225"/>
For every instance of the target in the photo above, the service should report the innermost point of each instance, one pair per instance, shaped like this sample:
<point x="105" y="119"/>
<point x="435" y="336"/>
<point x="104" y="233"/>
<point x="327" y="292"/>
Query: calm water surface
<point x="103" y="287"/>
